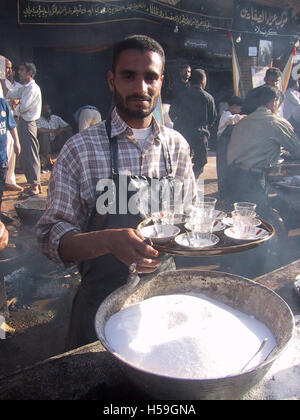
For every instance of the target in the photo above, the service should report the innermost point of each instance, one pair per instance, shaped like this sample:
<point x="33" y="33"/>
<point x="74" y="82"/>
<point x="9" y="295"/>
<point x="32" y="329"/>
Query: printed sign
<point x="76" y="12"/>
<point x="263" y="20"/>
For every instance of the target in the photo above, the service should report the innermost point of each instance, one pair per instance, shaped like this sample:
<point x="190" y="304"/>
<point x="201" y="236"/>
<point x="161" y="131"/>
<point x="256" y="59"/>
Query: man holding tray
<point x="127" y="148"/>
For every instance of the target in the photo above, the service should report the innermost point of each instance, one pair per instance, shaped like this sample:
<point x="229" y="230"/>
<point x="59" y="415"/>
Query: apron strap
<point x="113" y="147"/>
<point x="167" y="158"/>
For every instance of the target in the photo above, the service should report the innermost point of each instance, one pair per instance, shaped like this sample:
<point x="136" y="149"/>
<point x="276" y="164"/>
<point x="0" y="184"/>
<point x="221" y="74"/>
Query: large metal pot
<point x="235" y="291"/>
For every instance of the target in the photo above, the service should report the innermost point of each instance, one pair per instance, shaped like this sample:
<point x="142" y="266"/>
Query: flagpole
<point x="286" y="74"/>
<point x="235" y="68"/>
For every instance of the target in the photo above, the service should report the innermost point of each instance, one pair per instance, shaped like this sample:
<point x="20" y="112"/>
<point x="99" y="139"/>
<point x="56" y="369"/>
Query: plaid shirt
<point x="85" y="159"/>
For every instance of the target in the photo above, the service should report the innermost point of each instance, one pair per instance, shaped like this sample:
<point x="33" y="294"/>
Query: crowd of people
<point x="30" y="131"/>
<point x="251" y="134"/>
<point x="131" y="143"/>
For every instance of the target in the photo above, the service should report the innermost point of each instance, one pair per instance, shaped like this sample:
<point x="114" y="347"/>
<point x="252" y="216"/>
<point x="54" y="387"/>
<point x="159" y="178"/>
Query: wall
<point x="245" y="65"/>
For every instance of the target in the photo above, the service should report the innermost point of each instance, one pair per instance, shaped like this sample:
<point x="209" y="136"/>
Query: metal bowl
<point x="31" y="210"/>
<point x="236" y="291"/>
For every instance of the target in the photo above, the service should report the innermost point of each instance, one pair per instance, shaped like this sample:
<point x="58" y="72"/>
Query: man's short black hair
<point x="197" y="76"/>
<point x="267" y="94"/>
<point x="184" y="66"/>
<point x="29" y="67"/>
<point x="273" y="72"/>
<point x="142" y="43"/>
<point x="235" y="100"/>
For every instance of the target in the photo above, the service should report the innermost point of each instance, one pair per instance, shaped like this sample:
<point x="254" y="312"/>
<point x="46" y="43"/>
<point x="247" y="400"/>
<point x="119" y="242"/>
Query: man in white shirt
<point x="11" y="83"/>
<point x="291" y="100"/>
<point x="53" y="132"/>
<point x="29" y="111"/>
<point x="87" y="116"/>
<point x="232" y="115"/>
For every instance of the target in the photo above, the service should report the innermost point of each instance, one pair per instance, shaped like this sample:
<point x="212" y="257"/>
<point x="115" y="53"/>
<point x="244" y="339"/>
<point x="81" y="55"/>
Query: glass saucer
<point x="196" y="240"/>
<point x="257" y="233"/>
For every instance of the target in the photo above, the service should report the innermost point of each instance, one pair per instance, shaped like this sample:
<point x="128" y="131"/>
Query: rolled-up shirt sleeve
<point x="66" y="210"/>
<point x="288" y="138"/>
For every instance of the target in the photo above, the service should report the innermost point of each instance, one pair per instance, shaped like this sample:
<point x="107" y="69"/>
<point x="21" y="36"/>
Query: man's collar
<point x="119" y="126"/>
<point x="263" y="108"/>
<point x="29" y="83"/>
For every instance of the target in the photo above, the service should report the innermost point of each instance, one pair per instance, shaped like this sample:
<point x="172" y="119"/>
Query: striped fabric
<point x="85" y="159"/>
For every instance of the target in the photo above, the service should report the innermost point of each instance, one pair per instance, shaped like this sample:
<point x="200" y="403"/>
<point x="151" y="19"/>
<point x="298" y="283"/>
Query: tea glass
<point x="171" y="214"/>
<point x="244" y="208"/>
<point x="202" y="215"/>
<point x="243" y="224"/>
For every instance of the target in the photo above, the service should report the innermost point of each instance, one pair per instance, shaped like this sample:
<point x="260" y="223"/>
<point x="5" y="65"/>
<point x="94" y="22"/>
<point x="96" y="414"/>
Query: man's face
<point x="8" y="68"/>
<point x="24" y="76"/>
<point x="186" y="73"/>
<point x="46" y="111"/>
<point x="273" y="81"/>
<point x="136" y="83"/>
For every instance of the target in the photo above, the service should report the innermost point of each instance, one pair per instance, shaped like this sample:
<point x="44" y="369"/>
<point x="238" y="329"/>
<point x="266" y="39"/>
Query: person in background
<point x="7" y="123"/>
<point x="193" y="115"/>
<point x="232" y="115"/>
<point x="29" y="111"/>
<point x="53" y="132"/>
<point x="10" y="182"/>
<point x="229" y="118"/>
<point x="185" y="76"/>
<point x="87" y="116"/>
<point x="180" y="84"/>
<point x="128" y="143"/>
<point x="254" y="146"/>
<point x="291" y="100"/>
<point x="272" y="78"/>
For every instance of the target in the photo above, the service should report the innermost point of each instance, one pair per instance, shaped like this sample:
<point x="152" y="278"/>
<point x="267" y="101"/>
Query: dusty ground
<point x="39" y="293"/>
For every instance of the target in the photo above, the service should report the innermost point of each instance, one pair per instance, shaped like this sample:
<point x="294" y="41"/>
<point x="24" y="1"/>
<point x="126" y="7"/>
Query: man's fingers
<point x="129" y="246"/>
<point x="144" y="246"/>
<point x="146" y="270"/>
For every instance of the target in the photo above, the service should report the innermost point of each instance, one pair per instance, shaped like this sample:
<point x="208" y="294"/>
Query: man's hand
<point x="14" y="103"/>
<point x="129" y="246"/>
<point x="17" y="148"/>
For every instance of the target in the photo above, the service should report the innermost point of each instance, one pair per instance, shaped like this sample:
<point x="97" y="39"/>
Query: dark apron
<point x="102" y="275"/>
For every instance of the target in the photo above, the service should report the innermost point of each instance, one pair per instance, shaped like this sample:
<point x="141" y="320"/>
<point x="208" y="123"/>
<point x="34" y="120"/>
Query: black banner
<point x="262" y="20"/>
<point x="81" y="12"/>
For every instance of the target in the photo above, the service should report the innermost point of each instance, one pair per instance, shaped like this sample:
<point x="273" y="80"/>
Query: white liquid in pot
<point x="187" y="336"/>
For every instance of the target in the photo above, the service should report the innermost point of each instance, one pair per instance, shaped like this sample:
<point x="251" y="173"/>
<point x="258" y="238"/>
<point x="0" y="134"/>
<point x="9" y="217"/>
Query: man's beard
<point x="141" y="113"/>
